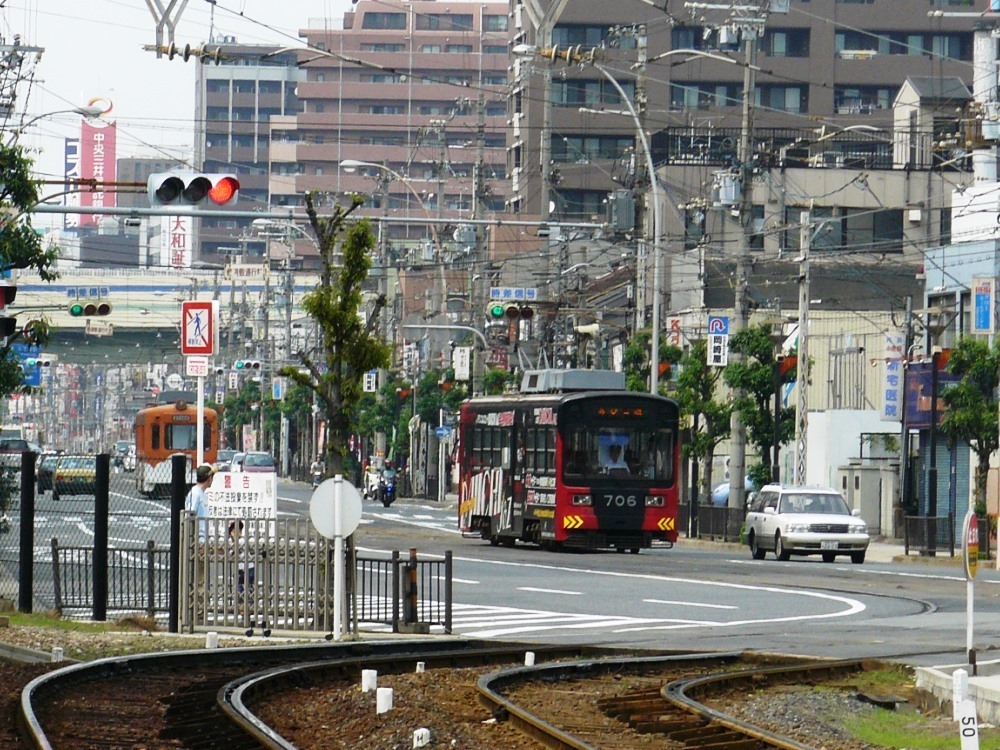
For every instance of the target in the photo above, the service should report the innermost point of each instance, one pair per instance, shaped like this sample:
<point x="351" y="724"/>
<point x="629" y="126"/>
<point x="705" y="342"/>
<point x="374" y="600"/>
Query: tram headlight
<point x="654" y="501"/>
<point x="581" y="500"/>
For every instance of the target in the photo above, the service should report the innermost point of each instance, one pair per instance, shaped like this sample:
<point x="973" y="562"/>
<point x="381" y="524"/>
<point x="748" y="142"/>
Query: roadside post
<point x="335" y="511"/>
<point x="970" y="554"/>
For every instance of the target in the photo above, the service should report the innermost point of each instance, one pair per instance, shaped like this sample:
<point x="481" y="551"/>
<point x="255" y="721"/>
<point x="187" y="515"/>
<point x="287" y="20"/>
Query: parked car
<point x="805" y="521"/>
<point x="224" y="459"/>
<point x="11" y="450"/>
<point x="75" y="475"/>
<point x="44" y="470"/>
<point x="119" y="452"/>
<point x="258" y="461"/>
<point x="129" y="459"/>
<point x="720" y="493"/>
<point x="237" y="463"/>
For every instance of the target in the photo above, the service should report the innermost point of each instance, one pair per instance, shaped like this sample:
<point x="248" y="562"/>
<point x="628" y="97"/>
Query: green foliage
<point x="20" y="247"/>
<point x="697" y="384"/>
<point x="756" y="373"/>
<point x="436" y="389"/>
<point x="636" y="362"/>
<point x="350" y="344"/>
<point x="496" y="381"/>
<point x="970" y="406"/>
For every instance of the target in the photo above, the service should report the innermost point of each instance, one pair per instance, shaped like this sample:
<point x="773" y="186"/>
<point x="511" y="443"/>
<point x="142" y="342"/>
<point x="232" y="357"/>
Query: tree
<point x="757" y="374"/>
<point x="20" y="247"/>
<point x="349" y="344"/>
<point x="636" y="362"/>
<point x="971" y="406"/>
<point x="696" y="390"/>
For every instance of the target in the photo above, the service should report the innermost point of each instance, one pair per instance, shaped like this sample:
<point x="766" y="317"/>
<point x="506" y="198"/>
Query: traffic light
<point x="248" y="364"/>
<point x="191" y="188"/>
<point x="220" y="370"/>
<point x="8" y="322"/>
<point x="85" y="309"/>
<point x="509" y="310"/>
<point x="40" y="361"/>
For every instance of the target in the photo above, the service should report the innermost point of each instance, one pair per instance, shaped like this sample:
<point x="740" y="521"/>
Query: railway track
<point x="571" y="699"/>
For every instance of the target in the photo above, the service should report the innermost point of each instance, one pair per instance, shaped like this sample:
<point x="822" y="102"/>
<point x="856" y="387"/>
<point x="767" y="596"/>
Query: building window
<point x="458" y="49"/>
<point x="384" y="21"/>
<point x="686" y="37"/>
<point x="215" y="86"/>
<point x="494" y="23"/>
<point x="386" y="109"/>
<point x="434" y="49"/>
<point x="382" y="47"/>
<point x="217" y="113"/>
<point x="791" y="99"/>
<point x="444" y="22"/>
<point x="494" y="49"/>
<point x="848" y="230"/>
<point x="581" y="92"/>
<point x="862" y="100"/>
<point x="244" y="87"/>
<point x="584" y="148"/>
<point x="580" y="203"/>
<point x="787" y="42"/>
<point x="578" y="33"/>
<point x="705" y="95"/>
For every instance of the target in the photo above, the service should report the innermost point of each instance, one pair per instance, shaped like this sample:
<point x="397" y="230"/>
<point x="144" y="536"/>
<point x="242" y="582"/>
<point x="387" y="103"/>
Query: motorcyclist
<point x="317" y="469"/>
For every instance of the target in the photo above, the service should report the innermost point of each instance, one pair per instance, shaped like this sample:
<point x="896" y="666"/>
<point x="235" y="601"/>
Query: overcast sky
<point x="94" y="48"/>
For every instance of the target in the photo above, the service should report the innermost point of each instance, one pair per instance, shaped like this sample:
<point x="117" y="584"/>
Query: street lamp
<point x="88" y="111"/>
<point x="528" y="51"/>
<point x="356" y="164"/>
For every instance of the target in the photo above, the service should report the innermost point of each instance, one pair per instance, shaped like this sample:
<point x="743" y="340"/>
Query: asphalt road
<point x="697" y="595"/>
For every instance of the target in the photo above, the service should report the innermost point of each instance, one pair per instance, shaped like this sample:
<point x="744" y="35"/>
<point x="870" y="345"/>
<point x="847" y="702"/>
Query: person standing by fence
<point x="197" y="499"/>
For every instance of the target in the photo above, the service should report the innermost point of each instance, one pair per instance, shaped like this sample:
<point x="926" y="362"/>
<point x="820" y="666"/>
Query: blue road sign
<point x="718" y="325"/>
<point x="443" y="432"/>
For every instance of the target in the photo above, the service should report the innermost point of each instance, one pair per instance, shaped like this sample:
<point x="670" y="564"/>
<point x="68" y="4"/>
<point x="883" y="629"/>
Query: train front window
<point x="594" y="452"/>
<point x="181" y="437"/>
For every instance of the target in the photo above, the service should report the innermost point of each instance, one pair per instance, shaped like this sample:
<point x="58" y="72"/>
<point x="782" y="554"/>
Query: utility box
<point x="621" y="211"/>
<point x="872" y="488"/>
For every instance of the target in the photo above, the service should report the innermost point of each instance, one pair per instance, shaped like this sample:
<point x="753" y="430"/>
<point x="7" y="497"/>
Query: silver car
<point x="805" y="521"/>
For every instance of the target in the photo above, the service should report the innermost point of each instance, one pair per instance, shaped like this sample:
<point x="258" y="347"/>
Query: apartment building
<point x="235" y="102"/>
<point x="406" y="104"/>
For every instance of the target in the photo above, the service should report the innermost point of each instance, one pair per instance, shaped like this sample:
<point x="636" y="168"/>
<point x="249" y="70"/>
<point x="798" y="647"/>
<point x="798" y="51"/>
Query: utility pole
<point x="802" y="363"/>
<point x="641" y="105"/>
<point x="750" y="30"/>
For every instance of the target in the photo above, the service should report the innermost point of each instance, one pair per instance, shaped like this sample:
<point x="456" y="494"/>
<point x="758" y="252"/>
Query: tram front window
<point x="595" y="453"/>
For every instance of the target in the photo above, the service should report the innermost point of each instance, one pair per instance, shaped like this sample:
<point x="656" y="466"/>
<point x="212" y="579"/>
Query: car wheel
<point x="858" y="557"/>
<point x="779" y="549"/>
<point x="755" y="549"/>
<point x="829" y="557"/>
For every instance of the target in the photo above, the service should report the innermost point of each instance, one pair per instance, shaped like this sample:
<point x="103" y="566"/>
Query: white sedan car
<point x="805" y="521"/>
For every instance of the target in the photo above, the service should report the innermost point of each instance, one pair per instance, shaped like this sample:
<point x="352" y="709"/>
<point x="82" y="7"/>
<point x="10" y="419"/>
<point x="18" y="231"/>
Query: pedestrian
<point x="197" y="502"/>
<point x="197" y="498"/>
<point x="246" y="566"/>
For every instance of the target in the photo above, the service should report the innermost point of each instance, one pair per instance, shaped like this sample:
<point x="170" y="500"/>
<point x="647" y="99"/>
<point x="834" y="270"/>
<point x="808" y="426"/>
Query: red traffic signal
<point x="7" y="295"/>
<point x="191" y="188"/>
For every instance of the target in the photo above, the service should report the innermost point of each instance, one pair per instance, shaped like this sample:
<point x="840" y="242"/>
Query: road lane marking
<point x="549" y="591"/>
<point x="690" y="604"/>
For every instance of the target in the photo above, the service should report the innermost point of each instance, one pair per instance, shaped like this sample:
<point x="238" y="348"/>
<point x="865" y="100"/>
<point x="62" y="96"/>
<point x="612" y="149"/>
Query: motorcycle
<point x="317" y="478"/>
<point x="386" y="491"/>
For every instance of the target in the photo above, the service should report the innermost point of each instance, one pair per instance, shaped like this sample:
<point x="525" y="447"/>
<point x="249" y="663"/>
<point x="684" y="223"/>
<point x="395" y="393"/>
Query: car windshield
<point x="77" y="462"/>
<point x="226" y="455"/>
<point x="259" y="459"/>
<point x="813" y="502"/>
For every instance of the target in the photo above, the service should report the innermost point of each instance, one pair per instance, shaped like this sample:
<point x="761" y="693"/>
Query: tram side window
<point x="154" y="441"/>
<point x="541" y="447"/>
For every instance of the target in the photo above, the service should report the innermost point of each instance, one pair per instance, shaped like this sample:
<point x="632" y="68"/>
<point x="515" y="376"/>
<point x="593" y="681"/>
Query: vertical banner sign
<point x="718" y="341"/>
<point x="461" y="360"/>
<point x="983" y="305"/>
<point x="892" y="384"/>
<point x="199" y="328"/>
<point x="97" y="162"/>
<point x="234" y="380"/>
<point x="674" y="335"/>
<point x="176" y="241"/>
<point x="71" y="171"/>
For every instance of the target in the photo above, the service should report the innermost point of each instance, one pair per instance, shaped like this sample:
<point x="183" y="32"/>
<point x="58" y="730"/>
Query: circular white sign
<point x="174" y="380"/>
<point x="321" y="509"/>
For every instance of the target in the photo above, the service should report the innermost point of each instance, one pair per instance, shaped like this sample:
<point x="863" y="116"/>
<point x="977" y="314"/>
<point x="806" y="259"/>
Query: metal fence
<point x="929" y="535"/>
<point x="278" y="574"/>
<point x="92" y="547"/>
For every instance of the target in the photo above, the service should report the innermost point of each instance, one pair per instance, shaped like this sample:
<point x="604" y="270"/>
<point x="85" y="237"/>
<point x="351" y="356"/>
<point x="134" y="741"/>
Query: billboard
<point x="71" y="160"/>
<point x="918" y="392"/>
<point x="97" y="162"/>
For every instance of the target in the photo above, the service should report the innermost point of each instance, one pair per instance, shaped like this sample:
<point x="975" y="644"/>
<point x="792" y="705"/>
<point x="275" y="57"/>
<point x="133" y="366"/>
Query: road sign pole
<point x="200" y="416"/>
<point x="338" y="557"/>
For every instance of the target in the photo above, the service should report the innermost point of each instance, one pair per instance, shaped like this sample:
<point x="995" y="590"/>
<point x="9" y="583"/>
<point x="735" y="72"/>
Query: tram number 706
<point x="620" y="501"/>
